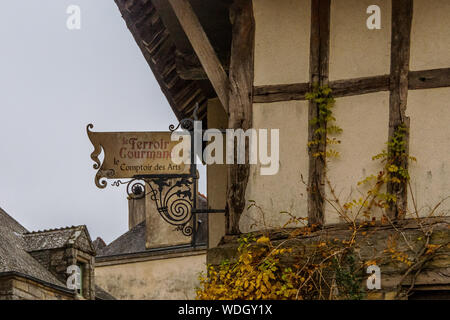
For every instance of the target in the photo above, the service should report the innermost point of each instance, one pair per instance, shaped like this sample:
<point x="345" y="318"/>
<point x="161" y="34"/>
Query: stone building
<point x="152" y="260"/>
<point x="33" y="265"/>
<point x="252" y="63"/>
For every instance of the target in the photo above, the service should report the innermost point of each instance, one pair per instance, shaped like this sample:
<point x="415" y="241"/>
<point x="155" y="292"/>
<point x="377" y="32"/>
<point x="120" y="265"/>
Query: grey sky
<point x="53" y="82"/>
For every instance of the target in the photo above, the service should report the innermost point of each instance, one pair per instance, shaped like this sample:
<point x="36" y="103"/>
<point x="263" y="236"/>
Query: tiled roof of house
<point x="7" y="221"/>
<point x="16" y="242"/>
<point x="101" y="294"/>
<point x="52" y="238"/>
<point x="159" y="47"/>
<point x="130" y="242"/>
<point x="98" y="244"/>
<point x="13" y="255"/>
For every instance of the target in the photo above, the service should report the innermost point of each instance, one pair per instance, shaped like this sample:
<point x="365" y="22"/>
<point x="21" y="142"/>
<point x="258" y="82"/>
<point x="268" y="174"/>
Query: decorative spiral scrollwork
<point x="173" y="197"/>
<point x="185" y="124"/>
<point x="187" y="230"/>
<point x="174" y="200"/>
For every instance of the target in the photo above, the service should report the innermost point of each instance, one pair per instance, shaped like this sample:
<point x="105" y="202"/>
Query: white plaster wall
<point x="282" y="36"/>
<point x="364" y="120"/>
<point x="356" y="51"/>
<point x="430" y="38"/>
<point x="429" y="112"/>
<point x="285" y="190"/>
<point x="161" y="279"/>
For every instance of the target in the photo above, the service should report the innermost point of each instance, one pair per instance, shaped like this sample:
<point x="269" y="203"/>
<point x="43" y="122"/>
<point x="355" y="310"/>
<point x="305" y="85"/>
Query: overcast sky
<point x="53" y="82"/>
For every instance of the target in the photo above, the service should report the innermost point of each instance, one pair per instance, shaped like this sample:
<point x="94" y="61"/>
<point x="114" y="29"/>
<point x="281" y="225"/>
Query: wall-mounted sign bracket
<point x="175" y="194"/>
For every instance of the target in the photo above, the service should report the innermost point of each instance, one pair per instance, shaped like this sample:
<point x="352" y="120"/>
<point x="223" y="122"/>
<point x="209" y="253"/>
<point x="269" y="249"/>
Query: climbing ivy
<point x="324" y="123"/>
<point x="260" y="270"/>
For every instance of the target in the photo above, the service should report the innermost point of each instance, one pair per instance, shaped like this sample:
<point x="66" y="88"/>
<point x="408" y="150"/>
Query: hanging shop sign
<point x="132" y="154"/>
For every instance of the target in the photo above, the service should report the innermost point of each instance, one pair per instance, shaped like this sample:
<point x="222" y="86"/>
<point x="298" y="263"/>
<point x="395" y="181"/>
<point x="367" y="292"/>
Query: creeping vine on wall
<point x="325" y="122"/>
<point x="328" y="268"/>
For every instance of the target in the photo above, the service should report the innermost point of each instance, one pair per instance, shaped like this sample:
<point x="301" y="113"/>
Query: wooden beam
<point x="427" y="79"/>
<point x="402" y="12"/>
<point x="341" y="88"/>
<point x="423" y="79"/>
<point x="319" y="65"/>
<point x="240" y="104"/>
<point x="283" y="92"/>
<point x="190" y="68"/>
<point x="203" y="48"/>
<point x="352" y="87"/>
<point x="324" y="37"/>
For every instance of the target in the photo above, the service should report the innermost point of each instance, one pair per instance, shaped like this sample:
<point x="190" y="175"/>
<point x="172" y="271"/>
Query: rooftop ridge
<point x="55" y="229"/>
<point x="16" y="223"/>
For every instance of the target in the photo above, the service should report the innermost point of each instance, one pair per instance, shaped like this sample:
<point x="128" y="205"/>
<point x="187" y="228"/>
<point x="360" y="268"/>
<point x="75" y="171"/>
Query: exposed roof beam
<point x="203" y="48"/>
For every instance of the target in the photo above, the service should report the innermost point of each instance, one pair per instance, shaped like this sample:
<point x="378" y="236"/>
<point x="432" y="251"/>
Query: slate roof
<point x="7" y="221"/>
<point x="13" y="255"/>
<point x="98" y="244"/>
<point x="101" y="294"/>
<point x="130" y="242"/>
<point x="16" y="241"/>
<point x="157" y="44"/>
<point x="133" y="241"/>
<point x="53" y="238"/>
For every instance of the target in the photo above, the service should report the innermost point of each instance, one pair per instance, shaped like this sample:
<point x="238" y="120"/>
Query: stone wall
<point x="58" y="260"/>
<point x="19" y="288"/>
<point x="151" y="275"/>
<point x="372" y="244"/>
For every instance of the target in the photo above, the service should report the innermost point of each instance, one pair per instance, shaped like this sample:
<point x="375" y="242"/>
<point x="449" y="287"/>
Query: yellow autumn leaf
<point x="263" y="239"/>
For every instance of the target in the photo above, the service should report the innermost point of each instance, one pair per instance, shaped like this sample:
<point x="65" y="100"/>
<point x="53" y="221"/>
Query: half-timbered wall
<point x="282" y="73"/>
<point x="355" y="52"/>
<point x="429" y="109"/>
<point x="281" y="58"/>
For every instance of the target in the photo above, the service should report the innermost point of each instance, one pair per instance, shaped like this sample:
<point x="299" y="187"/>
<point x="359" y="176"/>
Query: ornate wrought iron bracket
<point x="175" y="196"/>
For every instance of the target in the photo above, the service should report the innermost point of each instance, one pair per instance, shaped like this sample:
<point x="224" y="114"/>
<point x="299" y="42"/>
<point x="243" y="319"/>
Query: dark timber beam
<point x="240" y="104"/>
<point x="402" y="12"/>
<point x="427" y="79"/>
<point x="283" y="92"/>
<point x="318" y="69"/>
<point x="203" y="48"/>
<point x="423" y="79"/>
<point x="190" y="68"/>
<point x="351" y="87"/>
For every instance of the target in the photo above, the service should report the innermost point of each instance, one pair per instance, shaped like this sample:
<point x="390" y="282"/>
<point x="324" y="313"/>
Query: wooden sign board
<point x="131" y="154"/>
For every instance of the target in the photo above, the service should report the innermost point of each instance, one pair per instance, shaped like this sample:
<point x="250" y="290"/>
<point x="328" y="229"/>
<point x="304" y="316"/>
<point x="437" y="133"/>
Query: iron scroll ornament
<point x="173" y="197"/>
<point x="101" y="174"/>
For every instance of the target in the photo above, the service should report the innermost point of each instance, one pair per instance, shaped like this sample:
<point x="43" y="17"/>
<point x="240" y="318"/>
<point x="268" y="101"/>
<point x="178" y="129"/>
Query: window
<point x="81" y="279"/>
